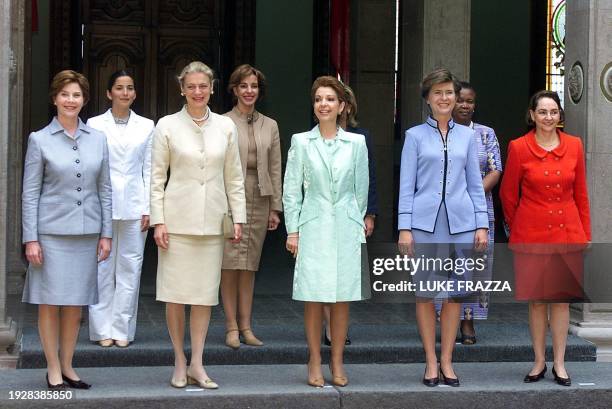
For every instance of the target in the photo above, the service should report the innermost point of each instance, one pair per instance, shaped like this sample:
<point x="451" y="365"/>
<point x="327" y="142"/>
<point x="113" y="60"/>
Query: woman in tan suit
<point x="260" y="157"/>
<point x="199" y="148"/>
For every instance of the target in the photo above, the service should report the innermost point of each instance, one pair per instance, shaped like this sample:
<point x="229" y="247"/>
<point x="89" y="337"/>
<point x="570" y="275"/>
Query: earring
<point x="212" y="92"/>
<point x="182" y="94"/>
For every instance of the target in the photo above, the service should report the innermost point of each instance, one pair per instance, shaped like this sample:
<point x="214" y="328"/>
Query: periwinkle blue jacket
<point x="429" y="175"/>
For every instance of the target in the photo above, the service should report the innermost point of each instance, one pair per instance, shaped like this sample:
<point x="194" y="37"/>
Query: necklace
<point x="548" y="145"/>
<point x="121" y="121"/>
<point x="204" y="118"/>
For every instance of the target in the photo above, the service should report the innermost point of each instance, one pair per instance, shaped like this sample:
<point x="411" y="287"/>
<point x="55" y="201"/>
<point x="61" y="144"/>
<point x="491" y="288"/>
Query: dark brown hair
<point x="533" y="104"/>
<point x="66" y="77"/>
<point x="438" y="76"/>
<point x="240" y="73"/>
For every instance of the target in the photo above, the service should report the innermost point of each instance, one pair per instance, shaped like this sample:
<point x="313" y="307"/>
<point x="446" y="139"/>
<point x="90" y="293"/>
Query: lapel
<point x="315" y="137"/>
<point x="129" y="129"/>
<point x="112" y="131"/>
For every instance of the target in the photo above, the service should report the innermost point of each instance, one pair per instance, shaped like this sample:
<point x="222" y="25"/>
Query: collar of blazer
<point x="540" y="152"/>
<point x="113" y="131"/>
<point x="431" y="121"/>
<point x="315" y="133"/>
<point x="184" y="114"/>
<point x="55" y="127"/>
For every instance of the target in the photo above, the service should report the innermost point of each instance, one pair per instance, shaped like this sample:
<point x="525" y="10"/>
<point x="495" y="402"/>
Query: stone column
<point x="588" y="107"/>
<point x="8" y="64"/>
<point x="434" y="34"/>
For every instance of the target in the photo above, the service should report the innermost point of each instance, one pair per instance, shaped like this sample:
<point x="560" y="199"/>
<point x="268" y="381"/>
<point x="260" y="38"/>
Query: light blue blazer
<point x="66" y="183"/>
<point x="429" y="175"/>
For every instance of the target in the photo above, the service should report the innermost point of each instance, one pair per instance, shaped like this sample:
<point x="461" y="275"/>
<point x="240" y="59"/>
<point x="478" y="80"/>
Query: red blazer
<point x="544" y="194"/>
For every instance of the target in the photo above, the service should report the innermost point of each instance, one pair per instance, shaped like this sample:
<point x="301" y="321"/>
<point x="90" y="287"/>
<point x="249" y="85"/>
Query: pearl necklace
<point x="204" y="118"/>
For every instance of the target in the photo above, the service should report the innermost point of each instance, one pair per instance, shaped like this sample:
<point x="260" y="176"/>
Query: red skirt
<point x="556" y="277"/>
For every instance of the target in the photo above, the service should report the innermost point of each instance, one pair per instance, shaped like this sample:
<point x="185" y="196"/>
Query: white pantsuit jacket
<point x="114" y="317"/>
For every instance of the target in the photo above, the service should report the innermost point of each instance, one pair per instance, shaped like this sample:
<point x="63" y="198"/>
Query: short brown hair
<point x="438" y="76"/>
<point x="533" y="104"/>
<point x="331" y="82"/>
<point x="240" y="73"/>
<point x="66" y="77"/>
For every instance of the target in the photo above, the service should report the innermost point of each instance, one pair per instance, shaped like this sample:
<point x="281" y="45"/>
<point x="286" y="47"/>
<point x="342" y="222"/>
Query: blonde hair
<point x="195" y="66"/>
<point x="351" y="107"/>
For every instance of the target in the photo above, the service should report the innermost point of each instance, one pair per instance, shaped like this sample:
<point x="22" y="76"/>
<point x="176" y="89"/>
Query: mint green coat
<point x="325" y="199"/>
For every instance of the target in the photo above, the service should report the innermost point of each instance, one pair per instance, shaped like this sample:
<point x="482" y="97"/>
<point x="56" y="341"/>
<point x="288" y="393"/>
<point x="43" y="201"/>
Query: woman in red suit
<point x="546" y="205"/>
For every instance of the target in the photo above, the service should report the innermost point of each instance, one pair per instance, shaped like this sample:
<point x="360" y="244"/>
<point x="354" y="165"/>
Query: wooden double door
<point x="153" y="40"/>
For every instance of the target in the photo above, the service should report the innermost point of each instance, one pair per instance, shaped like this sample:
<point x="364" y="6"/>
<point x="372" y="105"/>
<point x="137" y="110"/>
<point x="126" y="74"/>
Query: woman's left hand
<point x="104" y="248"/>
<point x="273" y="220"/>
<point x="237" y="233"/>
<point x="481" y="239"/>
<point x="144" y="222"/>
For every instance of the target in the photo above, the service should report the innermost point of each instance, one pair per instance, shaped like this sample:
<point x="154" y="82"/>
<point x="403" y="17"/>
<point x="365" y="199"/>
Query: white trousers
<point x="114" y="317"/>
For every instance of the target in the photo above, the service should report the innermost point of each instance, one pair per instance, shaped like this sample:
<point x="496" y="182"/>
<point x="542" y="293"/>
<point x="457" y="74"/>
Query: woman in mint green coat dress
<point x="325" y="199"/>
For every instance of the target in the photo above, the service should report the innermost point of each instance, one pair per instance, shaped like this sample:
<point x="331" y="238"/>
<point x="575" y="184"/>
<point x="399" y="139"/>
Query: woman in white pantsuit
<point x="113" y="319"/>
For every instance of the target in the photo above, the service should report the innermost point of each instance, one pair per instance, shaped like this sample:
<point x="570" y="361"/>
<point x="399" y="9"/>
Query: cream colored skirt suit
<point x="205" y="182"/>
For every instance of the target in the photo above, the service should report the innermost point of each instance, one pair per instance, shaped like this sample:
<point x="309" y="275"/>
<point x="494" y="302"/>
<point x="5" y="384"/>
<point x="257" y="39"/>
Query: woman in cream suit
<point x="260" y="156"/>
<point x="113" y="319"/>
<point x="67" y="224"/>
<point x="199" y="148"/>
<point x="325" y="199"/>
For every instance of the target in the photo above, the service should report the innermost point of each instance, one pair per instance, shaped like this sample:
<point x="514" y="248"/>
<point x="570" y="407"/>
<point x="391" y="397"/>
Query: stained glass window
<point x="555" y="48"/>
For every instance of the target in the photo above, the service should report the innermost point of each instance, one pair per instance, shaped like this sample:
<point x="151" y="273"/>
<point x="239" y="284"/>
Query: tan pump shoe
<point x="202" y="383"/>
<point x="232" y="340"/>
<point x="249" y="338"/>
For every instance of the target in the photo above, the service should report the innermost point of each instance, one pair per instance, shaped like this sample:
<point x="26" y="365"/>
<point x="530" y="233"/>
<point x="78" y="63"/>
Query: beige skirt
<point x="246" y="254"/>
<point x="189" y="272"/>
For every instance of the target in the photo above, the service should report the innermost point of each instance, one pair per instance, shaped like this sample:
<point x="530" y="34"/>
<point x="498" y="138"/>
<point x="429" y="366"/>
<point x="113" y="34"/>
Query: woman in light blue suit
<point x="441" y="201"/>
<point x="67" y="224"/>
<point x="325" y="200"/>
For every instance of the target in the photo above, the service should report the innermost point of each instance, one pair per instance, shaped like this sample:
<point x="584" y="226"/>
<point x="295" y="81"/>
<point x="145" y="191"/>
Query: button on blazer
<point x="130" y="163"/>
<point x="205" y="174"/>
<point x="422" y="179"/>
<point x="66" y="183"/>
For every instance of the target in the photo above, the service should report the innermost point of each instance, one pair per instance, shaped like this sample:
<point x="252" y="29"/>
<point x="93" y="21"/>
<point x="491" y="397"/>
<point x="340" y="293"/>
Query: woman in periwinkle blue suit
<point x="441" y="201"/>
<point x="325" y="199"/>
<point x="67" y="224"/>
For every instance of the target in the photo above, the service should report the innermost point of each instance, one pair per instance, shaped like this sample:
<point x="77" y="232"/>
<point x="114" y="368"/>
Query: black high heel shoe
<point x="75" y="384"/>
<point x="454" y="382"/>
<point x="57" y="387"/>
<point x="561" y="381"/>
<point x="534" y="378"/>
<point x="327" y="341"/>
<point x="431" y="382"/>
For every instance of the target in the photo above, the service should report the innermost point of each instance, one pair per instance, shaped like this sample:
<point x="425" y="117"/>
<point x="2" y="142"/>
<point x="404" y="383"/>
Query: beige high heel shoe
<point x="230" y="341"/>
<point x="105" y="343"/>
<point x="249" y="338"/>
<point x="202" y="383"/>
<point x="317" y="382"/>
<point x="338" y="380"/>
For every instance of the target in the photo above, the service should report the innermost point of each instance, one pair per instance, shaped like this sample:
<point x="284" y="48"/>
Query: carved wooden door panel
<point x="153" y="40"/>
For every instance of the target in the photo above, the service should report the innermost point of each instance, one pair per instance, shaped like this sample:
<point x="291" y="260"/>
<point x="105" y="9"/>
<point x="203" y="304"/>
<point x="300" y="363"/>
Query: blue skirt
<point x="68" y="274"/>
<point x="443" y="248"/>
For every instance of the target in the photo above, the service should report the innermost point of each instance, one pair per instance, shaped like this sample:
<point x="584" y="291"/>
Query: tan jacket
<point x="205" y="175"/>
<point x="268" y="154"/>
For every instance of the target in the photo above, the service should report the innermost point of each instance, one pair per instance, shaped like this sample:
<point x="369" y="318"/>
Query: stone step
<point x="483" y="385"/>
<point x="286" y="345"/>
